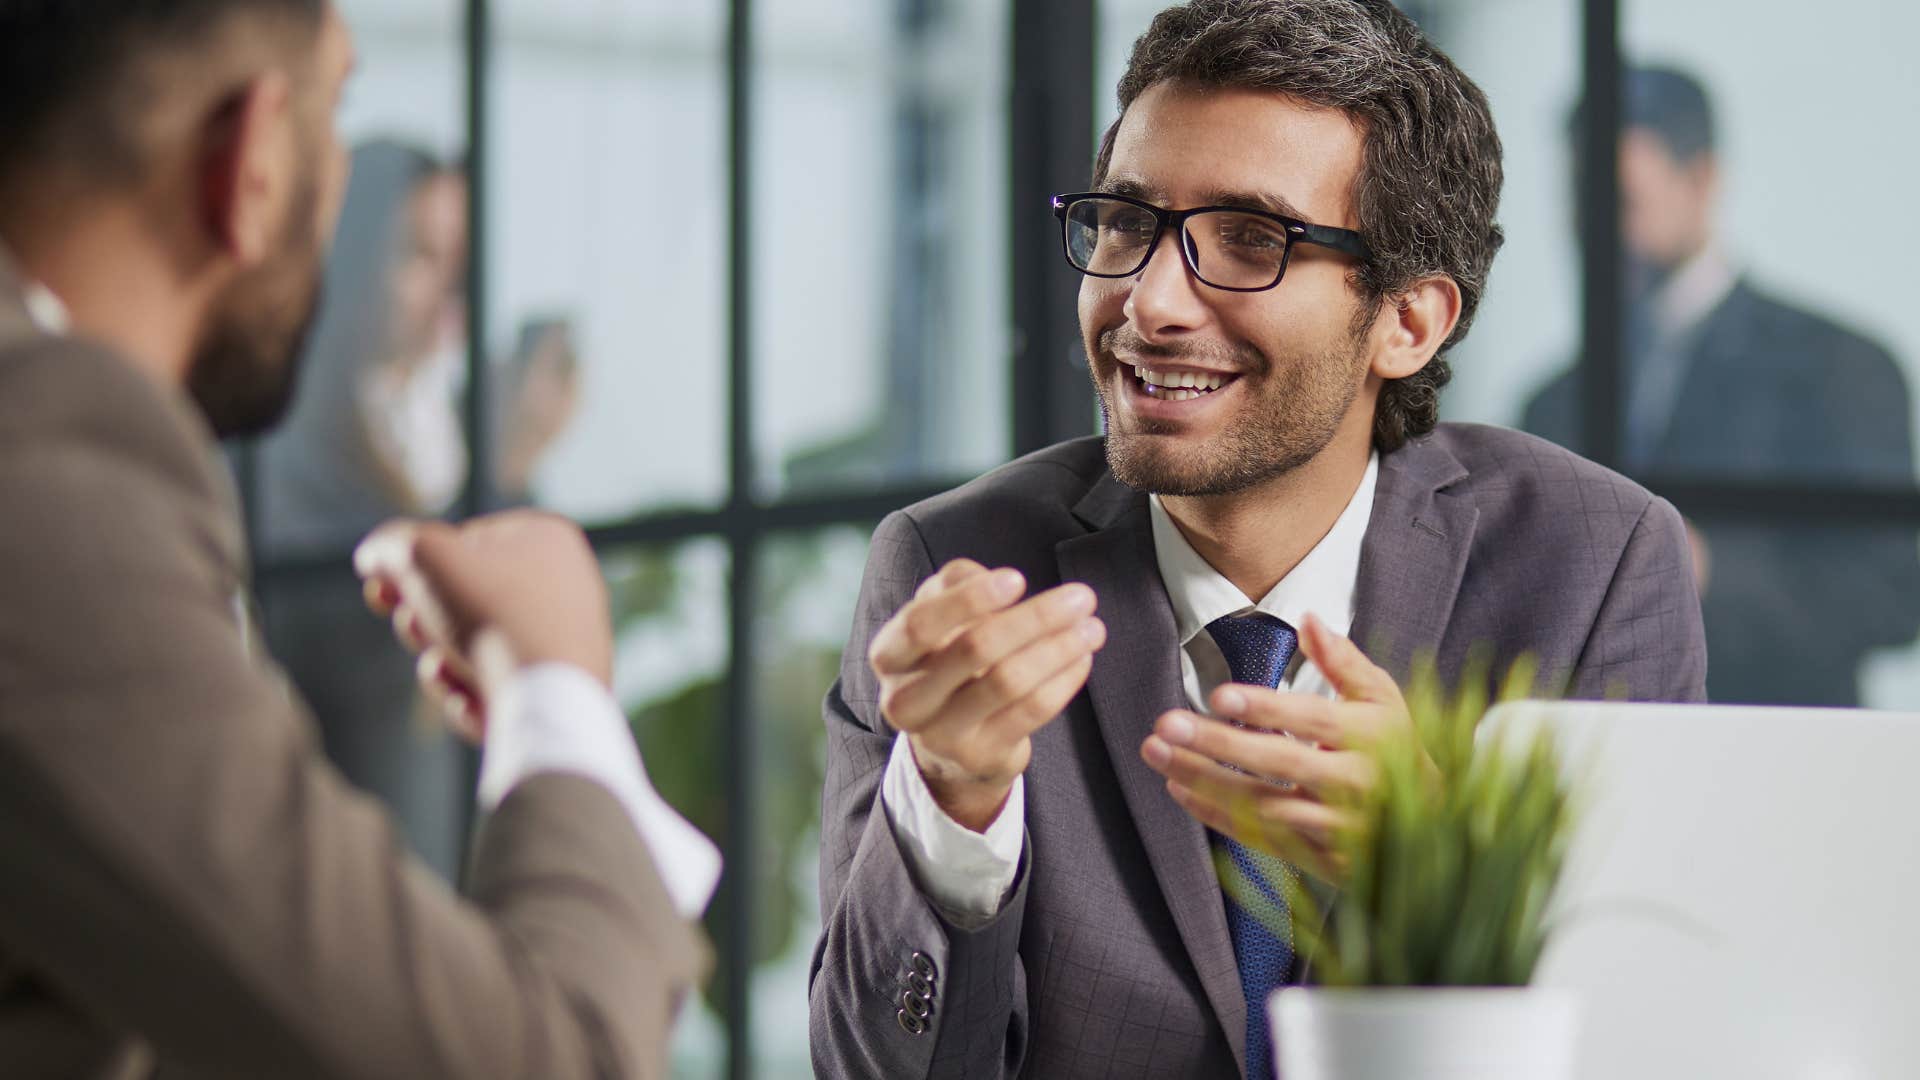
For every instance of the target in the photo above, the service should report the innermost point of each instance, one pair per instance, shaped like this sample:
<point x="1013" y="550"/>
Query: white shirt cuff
<point x="557" y="718"/>
<point x="966" y="874"/>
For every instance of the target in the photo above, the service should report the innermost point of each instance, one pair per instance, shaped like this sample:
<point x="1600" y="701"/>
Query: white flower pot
<point x="1466" y="1033"/>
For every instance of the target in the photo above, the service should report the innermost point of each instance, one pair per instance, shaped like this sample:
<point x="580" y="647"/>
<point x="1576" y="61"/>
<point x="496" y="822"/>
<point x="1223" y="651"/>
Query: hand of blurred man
<point x="482" y="600"/>
<point x="968" y="672"/>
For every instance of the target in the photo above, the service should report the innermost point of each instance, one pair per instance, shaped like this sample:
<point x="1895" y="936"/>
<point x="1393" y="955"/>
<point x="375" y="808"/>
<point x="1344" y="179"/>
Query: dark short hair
<point x="1673" y="105"/>
<point x="1430" y="186"/>
<point x="75" y="85"/>
<point x="1666" y="101"/>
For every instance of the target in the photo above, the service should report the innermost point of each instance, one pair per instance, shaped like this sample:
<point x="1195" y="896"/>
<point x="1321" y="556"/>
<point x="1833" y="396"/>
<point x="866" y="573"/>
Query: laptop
<point x="1743" y="897"/>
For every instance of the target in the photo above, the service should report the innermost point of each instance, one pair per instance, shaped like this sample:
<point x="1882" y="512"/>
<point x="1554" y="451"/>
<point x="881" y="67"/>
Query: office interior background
<point x="728" y="281"/>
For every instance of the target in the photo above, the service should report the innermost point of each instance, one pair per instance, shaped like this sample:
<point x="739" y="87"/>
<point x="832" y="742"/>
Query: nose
<point x="1165" y="300"/>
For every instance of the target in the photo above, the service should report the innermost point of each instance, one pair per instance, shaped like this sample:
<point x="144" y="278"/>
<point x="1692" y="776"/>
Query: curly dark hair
<point x="1430" y="186"/>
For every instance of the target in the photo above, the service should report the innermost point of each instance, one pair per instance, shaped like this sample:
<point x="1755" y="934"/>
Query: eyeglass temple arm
<point x="1345" y="240"/>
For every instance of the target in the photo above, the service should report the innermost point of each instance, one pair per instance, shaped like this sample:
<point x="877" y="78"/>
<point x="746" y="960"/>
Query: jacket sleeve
<point x="1647" y="642"/>
<point x="883" y="935"/>
<point x="184" y="867"/>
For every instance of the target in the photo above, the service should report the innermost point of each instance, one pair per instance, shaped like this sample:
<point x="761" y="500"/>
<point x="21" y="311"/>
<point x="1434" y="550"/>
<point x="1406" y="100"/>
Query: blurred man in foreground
<point x="190" y="888"/>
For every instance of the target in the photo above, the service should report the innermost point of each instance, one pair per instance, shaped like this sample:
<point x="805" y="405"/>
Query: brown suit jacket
<point x="188" y="886"/>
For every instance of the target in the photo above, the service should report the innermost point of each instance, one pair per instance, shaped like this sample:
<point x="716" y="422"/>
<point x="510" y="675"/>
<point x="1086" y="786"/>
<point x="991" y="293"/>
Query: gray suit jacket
<point x="1112" y="958"/>
<point x="188" y="885"/>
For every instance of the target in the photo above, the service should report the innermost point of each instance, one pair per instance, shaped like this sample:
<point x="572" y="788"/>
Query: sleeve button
<point x="910" y="1023"/>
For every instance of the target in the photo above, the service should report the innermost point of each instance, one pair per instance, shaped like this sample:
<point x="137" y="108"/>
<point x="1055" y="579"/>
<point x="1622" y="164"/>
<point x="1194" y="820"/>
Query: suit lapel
<point x="1413" y="558"/>
<point x="1135" y="678"/>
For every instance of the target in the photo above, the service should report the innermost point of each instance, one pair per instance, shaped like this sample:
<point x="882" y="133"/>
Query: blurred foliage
<point x="683" y="738"/>
<point x="1453" y="857"/>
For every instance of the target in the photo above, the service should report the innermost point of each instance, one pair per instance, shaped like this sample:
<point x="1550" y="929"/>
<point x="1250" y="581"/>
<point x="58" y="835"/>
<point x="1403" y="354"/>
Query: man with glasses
<point x="1027" y="789"/>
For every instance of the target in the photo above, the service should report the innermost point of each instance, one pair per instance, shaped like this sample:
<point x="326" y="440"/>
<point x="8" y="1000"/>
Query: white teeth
<point x="1177" y="380"/>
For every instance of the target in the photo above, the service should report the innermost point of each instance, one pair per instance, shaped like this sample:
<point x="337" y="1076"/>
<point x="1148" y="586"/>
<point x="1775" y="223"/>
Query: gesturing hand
<point x="1324" y="762"/>
<point x="968" y="672"/>
<point x="481" y="600"/>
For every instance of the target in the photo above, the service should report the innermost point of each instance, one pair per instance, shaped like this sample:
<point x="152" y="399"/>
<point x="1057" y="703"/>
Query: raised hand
<point x="969" y="671"/>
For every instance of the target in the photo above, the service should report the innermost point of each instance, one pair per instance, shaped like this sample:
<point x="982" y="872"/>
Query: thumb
<point x="1354" y="677"/>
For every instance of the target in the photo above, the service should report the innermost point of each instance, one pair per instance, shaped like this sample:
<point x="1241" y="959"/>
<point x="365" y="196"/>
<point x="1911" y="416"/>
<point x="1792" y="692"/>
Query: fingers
<point x="389" y="562"/>
<point x="950" y="575"/>
<point x="961" y="592"/>
<point x="1303" y="716"/>
<point x="1036" y="708"/>
<point x="1190" y="748"/>
<point x="452" y="692"/>
<point x="382" y="596"/>
<point x="1295" y="829"/>
<point x="387" y="551"/>
<point x="951" y="689"/>
<point x="1353" y="676"/>
<point x="977" y="657"/>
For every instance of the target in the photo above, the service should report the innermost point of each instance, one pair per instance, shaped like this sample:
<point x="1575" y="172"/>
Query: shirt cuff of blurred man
<point x="557" y="718"/>
<point x="966" y="874"/>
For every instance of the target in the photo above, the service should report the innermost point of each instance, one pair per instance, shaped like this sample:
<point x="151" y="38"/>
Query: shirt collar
<point x="44" y="309"/>
<point x="1322" y="583"/>
<point x="1695" y="289"/>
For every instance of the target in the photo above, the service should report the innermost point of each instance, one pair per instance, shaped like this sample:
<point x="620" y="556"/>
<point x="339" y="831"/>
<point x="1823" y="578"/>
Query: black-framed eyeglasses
<point x="1226" y="247"/>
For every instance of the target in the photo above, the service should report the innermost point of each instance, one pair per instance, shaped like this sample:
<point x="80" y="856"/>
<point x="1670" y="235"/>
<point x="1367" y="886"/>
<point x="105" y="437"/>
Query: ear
<point x="246" y="168"/>
<point x="1412" y="325"/>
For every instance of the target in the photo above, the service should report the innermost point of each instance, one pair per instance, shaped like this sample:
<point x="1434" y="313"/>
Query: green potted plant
<point x="1419" y="964"/>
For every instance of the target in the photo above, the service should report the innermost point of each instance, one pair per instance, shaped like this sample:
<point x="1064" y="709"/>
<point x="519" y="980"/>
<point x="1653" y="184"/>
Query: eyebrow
<point x="1253" y="200"/>
<point x="1134" y="188"/>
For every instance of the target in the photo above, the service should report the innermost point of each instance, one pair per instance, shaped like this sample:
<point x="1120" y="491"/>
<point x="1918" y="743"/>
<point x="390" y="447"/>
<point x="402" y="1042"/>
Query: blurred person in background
<point x="378" y="432"/>
<point x="1728" y="381"/>
<point x="191" y="888"/>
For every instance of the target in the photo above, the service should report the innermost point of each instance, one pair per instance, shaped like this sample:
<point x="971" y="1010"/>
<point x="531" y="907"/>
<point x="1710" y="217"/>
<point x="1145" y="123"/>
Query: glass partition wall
<point x="728" y="281"/>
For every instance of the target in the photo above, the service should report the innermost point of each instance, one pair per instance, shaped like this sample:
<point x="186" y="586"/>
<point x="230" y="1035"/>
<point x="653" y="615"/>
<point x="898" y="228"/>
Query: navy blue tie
<point x="1257" y="648"/>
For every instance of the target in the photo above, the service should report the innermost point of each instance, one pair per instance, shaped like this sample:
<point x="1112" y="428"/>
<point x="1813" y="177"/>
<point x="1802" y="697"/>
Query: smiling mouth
<point x="1179" y="385"/>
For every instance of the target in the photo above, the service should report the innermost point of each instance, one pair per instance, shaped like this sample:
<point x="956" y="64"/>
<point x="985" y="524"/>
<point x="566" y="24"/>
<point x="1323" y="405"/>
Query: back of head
<point x="1430" y="186"/>
<point x="88" y="87"/>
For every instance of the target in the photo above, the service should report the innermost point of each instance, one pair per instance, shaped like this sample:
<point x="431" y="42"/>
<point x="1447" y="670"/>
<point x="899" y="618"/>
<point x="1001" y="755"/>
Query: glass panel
<point x="1761" y="340"/>
<point x="1811" y="614"/>
<point x="374" y="723"/>
<point x="879" y="244"/>
<point x="607" y="279"/>
<point x="376" y="430"/>
<point x="670" y="662"/>
<point x="1528" y="326"/>
<point x="808" y="585"/>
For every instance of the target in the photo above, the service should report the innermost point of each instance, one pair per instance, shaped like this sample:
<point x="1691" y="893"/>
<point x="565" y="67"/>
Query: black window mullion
<point x="479" y="495"/>
<point x="1050" y="128"/>
<point x="740" y="765"/>
<point x="1602" y="374"/>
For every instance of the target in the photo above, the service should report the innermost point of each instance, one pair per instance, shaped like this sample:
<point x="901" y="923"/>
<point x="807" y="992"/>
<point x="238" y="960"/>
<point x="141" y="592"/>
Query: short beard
<point x="1303" y="411"/>
<point x="246" y="366"/>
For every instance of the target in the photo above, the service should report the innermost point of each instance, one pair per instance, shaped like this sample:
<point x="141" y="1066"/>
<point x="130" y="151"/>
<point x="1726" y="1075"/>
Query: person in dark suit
<point x="190" y="889"/>
<point x="1029" y="770"/>
<point x="1727" y="382"/>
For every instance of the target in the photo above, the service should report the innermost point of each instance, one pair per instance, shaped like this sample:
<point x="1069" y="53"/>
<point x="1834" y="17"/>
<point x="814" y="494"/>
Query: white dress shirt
<point x="557" y="718"/>
<point x="553" y="718"/>
<point x="968" y="875"/>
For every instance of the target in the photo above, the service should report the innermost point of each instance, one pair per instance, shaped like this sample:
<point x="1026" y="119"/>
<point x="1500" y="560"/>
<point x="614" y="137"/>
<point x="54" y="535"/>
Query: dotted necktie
<point x="1257" y="648"/>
